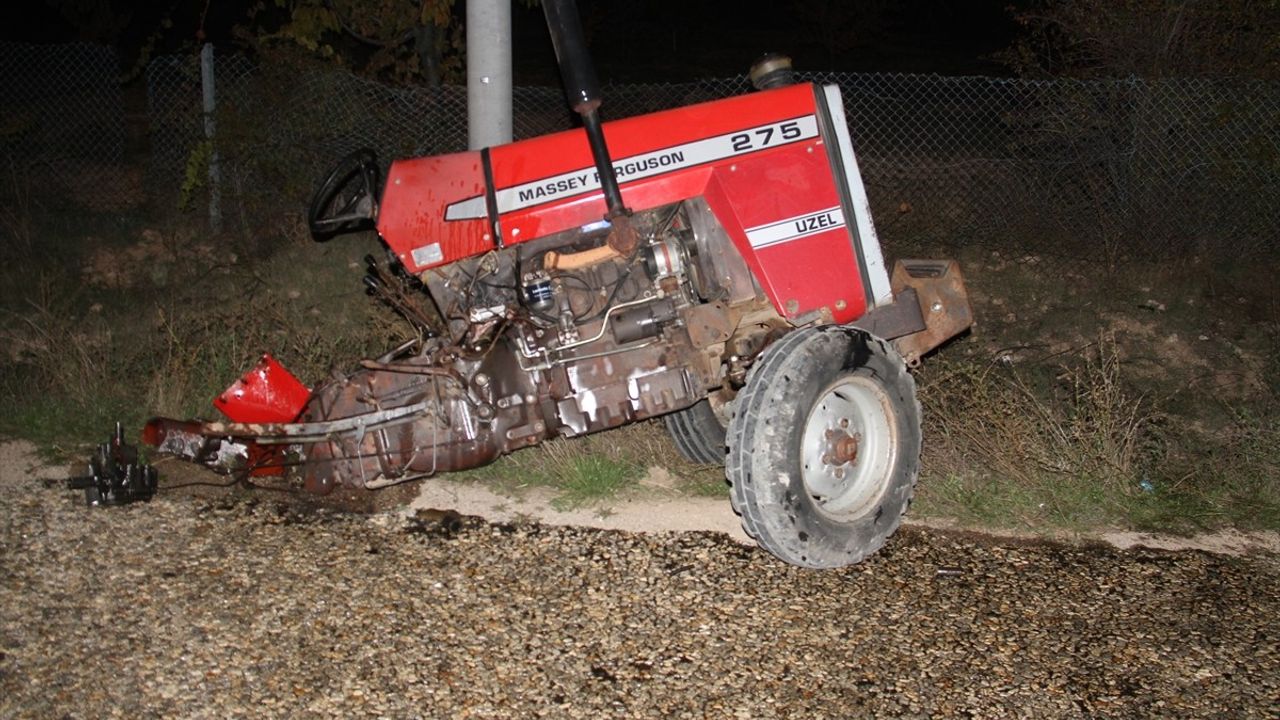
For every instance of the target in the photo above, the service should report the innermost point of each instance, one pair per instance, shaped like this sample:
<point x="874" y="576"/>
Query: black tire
<point x="698" y="433"/>
<point x="347" y="199"/>
<point x="793" y="432"/>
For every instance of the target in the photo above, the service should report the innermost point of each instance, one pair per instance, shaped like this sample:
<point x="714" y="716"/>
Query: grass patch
<point x="589" y="471"/>
<point x="579" y="476"/>
<point x="706" y="481"/>
<point x="586" y="479"/>
<point x="1236" y="482"/>
<point x="1076" y="420"/>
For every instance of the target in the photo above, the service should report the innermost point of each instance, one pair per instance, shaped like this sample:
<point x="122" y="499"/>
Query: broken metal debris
<point x="116" y="475"/>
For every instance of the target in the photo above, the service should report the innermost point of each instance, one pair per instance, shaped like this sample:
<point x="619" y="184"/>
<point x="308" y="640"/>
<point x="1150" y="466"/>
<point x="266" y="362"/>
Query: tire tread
<point x="762" y="391"/>
<point x="697" y="434"/>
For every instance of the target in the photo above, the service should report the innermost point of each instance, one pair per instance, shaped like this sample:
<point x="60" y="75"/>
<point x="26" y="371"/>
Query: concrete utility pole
<point x="488" y="73"/>
<point x="209" y="104"/>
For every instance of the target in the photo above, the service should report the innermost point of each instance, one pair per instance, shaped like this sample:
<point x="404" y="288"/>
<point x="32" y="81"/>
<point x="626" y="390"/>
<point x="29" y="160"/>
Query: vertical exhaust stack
<point x="583" y="92"/>
<point x="772" y="70"/>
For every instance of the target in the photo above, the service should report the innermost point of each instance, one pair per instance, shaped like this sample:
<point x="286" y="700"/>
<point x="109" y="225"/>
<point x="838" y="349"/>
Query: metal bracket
<point x="898" y="318"/>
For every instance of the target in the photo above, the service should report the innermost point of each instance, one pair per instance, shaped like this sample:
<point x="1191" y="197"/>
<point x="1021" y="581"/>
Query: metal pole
<point x="215" y="175"/>
<point x="488" y="73"/>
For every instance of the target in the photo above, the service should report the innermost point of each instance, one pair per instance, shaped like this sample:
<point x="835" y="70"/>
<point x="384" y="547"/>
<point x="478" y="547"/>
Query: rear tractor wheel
<point x="698" y="433"/>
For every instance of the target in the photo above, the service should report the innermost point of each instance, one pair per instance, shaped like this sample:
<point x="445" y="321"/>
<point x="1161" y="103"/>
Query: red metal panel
<point x="411" y="215"/>
<point x="759" y="159"/>
<point x="808" y="262"/>
<point x="632" y="142"/>
<point x="266" y="394"/>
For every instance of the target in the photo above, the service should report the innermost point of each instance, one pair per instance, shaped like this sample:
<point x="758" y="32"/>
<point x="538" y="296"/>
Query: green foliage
<point x="308" y="25"/>
<point x="394" y="39"/>
<point x="586" y="479"/>
<point x="1077" y="450"/>
<point x="195" y="173"/>
<point x="1084" y="425"/>
<point x="583" y="471"/>
<point x="1239" y="482"/>
<point x="85" y="346"/>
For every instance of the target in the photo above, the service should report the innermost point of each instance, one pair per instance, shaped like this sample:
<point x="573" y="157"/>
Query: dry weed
<point x="17" y="217"/>
<point x="66" y="353"/>
<point x="1087" y="427"/>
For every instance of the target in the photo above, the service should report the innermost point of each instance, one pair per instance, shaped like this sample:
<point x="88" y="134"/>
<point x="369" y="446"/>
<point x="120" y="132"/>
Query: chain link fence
<point x="1086" y="170"/>
<point x="1099" y="170"/>
<point x="1116" y="168"/>
<point x="62" y="122"/>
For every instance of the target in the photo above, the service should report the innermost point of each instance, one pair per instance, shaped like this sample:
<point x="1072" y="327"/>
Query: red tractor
<point x="715" y="265"/>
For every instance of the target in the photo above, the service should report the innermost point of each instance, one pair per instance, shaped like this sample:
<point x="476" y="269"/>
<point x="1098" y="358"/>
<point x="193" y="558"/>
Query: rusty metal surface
<point x="429" y="424"/>
<point x="898" y="318"/>
<point x="278" y="433"/>
<point x="199" y="442"/>
<point x="624" y="239"/>
<point x="709" y="326"/>
<point x="843" y="447"/>
<point x="621" y="338"/>
<point x="943" y="303"/>
<point x="401" y="418"/>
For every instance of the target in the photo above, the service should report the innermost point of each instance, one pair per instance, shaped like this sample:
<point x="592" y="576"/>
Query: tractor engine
<point x="559" y="336"/>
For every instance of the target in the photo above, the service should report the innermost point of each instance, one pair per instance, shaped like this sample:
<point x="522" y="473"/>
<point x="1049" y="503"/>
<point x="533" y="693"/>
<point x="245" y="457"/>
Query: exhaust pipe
<point x="772" y="70"/>
<point x="583" y="93"/>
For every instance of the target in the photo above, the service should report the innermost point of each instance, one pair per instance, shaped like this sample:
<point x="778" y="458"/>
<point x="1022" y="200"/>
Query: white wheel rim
<point x="853" y="413"/>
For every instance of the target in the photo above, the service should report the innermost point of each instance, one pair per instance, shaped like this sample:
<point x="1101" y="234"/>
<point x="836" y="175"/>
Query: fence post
<point x="215" y="175"/>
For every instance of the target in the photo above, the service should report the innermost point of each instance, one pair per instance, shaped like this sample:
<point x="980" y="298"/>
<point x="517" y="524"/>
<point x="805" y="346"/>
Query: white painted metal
<point x="854" y="406"/>
<point x="488" y="73"/>
<point x="871" y="252"/>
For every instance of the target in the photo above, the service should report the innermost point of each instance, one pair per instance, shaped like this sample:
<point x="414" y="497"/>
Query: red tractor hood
<point x="776" y="167"/>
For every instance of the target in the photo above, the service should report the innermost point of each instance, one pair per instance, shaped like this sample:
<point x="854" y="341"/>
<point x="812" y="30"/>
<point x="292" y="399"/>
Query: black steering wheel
<point x="347" y="200"/>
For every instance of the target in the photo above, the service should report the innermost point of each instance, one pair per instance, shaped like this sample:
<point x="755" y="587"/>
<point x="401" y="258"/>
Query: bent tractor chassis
<point x="715" y="265"/>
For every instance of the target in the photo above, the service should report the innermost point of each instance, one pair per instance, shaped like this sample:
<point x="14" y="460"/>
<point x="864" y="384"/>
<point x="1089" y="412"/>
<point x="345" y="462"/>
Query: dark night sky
<point x="657" y="40"/>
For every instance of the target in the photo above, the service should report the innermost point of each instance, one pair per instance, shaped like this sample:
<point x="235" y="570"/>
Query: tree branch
<point x="357" y="35"/>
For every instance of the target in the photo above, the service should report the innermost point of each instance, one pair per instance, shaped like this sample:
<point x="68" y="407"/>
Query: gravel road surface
<point x="234" y="607"/>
